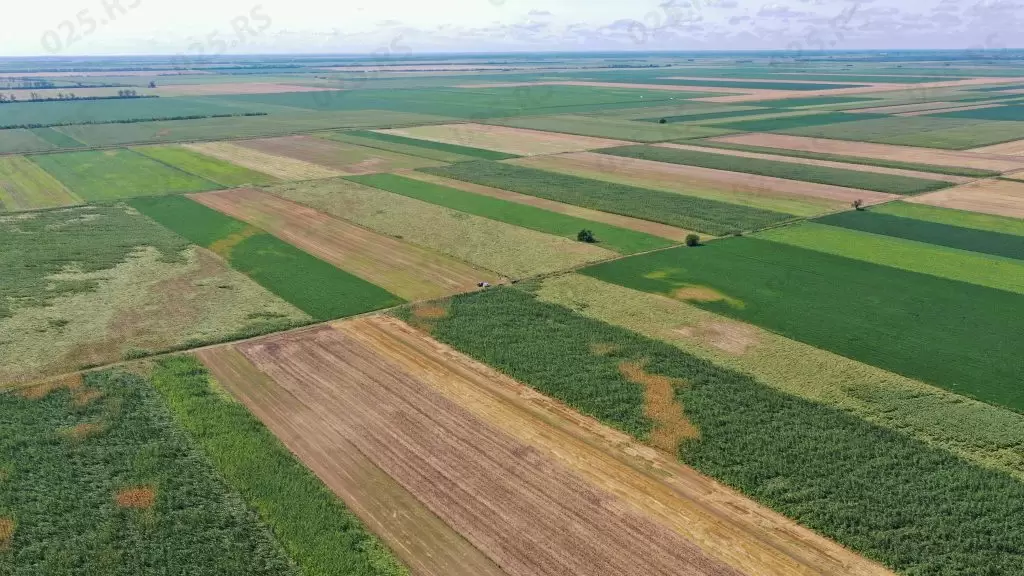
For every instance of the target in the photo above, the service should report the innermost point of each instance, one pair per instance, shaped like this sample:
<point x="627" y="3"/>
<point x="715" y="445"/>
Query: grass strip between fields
<point x="881" y="162"/>
<point x="614" y="238"/>
<point x="950" y="334"/>
<point x="318" y="531"/>
<point x="688" y="212"/>
<point x="310" y="284"/>
<point x="789" y="170"/>
<point x="916" y="508"/>
<point x="971" y="239"/>
<point x="478" y="153"/>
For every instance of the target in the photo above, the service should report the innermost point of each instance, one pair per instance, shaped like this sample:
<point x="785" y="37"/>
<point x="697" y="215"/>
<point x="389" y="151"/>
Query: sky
<point x="410" y="27"/>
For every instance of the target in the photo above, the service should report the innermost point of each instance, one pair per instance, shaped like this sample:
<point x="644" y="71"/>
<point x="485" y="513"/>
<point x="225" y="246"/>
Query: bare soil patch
<point x="276" y="166"/>
<point x="407" y="271"/>
<point x="233" y="88"/>
<point x="968" y="159"/>
<point x="733" y="337"/>
<point x="723" y="523"/>
<point x="999" y="197"/>
<point x="704" y="294"/>
<point x="6" y="533"/>
<point x="662" y="406"/>
<point x="345" y="158"/>
<point x="519" y="141"/>
<point x="527" y="512"/>
<point x="137" y="497"/>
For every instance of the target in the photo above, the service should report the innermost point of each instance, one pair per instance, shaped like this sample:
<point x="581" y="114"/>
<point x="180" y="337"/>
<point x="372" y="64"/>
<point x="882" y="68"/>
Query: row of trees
<point x="36" y="97"/>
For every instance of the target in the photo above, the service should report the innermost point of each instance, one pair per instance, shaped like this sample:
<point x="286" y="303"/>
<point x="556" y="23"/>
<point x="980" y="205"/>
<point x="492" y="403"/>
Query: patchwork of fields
<point x="566" y="315"/>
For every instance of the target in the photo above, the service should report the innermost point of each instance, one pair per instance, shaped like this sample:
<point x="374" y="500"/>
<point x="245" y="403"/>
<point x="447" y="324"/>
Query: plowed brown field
<point x="345" y="158"/>
<point x="519" y="141"/>
<point x="999" y="197"/>
<point x="524" y="510"/>
<point x="968" y="159"/>
<point x="407" y="271"/>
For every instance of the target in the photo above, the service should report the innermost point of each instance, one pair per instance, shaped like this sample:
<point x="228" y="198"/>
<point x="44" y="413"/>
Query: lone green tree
<point x="586" y="236"/>
<point x="692" y="240"/>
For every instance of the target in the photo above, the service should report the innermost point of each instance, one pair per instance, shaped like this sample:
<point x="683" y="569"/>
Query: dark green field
<point x="985" y="242"/>
<point x="778" y="169"/>
<point x="1006" y="113"/>
<point x="58" y="139"/>
<point x="310" y="284"/>
<point x="915" y="508"/>
<point x="811" y="101"/>
<point x="31" y="114"/>
<point x="621" y="240"/>
<point x="691" y="213"/>
<point x="960" y="338"/>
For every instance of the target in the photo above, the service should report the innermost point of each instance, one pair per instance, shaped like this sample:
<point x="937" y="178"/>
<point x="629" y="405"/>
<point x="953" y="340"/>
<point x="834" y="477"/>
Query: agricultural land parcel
<point x="345" y="158"/>
<point x="806" y="295"/>
<point x="212" y="169"/>
<point x="503" y="139"/>
<point x="26" y="186"/>
<point x="416" y="147"/>
<point x="997" y="197"/>
<point x="619" y="129"/>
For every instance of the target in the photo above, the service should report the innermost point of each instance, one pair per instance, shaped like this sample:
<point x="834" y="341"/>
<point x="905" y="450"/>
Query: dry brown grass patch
<point x="224" y="246"/>
<point x="85" y="396"/>
<point x="732" y="337"/>
<point x="39" y="391"/>
<point x="136" y="497"/>
<point x="603" y="348"/>
<point x="660" y="404"/>
<point x="695" y="293"/>
<point x="83" y="431"/>
<point x="429" y="311"/>
<point x="6" y="532"/>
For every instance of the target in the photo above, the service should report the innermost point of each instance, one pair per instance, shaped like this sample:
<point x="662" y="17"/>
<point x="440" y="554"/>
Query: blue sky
<point x="417" y="26"/>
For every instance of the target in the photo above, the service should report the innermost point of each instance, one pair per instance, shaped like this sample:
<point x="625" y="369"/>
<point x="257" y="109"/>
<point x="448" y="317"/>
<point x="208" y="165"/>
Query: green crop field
<point x="972" y="267"/>
<point x="857" y="309"/>
<point x="112" y="174"/>
<point x="58" y="139"/>
<point x="688" y="212"/>
<point x="916" y="508"/>
<point x="697" y="117"/>
<point x="779" y="169"/>
<point x="790" y="122"/>
<point x="952" y="236"/>
<point x="446" y="152"/>
<point x="312" y="285"/>
<point x="39" y="114"/>
<point x="614" y="238"/>
<point x="25" y="186"/>
<point x="99" y="479"/>
<point x="960" y="218"/>
<point x="812" y="101"/>
<point x="314" y="526"/>
<point x="616" y="128"/>
<point x="1006" y="113"/>
<point x="20" y="140"/>
<point x="882" y="162"/>
<point x="206" y="167"/>
<point x="924" y="131"/>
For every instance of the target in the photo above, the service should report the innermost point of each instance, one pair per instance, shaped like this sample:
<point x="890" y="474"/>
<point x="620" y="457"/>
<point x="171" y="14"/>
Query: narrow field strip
<point x="807" y="295"/>
<point x="276" y="166"/>
<point x="722" y="523"/>
<point x="871" y="150"/>
<point x="503" y="249"/>
<point x="408" y="271"/>
<point x="104" y="175"/>
<point x="953" y="217"/>
<point x="26" y="186"/>
<point x="441" y="150"/>
<point x="989" y="436"/>
<point x="210" y="168"/>
<point x="751" y="164"/>
<point x="645" y="226"/>
<point x="926" y="170"/>
<point x="996" y="197"/>
<point x="944" y="262"/>
<point x="518" y="141"/>
<point x="621" y="240"/>
<point x="709" y="216"/>
<point x="916" y="508"/>
<point x="320" y="534"/>
<point x="531" y="515"/>
<point x="310" y="284"/>
<point x="603" y="127"/>
<point x="57" y="138"/>
<point x="764" y="192"/>
<point x="1015" y="148"/>
<point x="335" y="155"/>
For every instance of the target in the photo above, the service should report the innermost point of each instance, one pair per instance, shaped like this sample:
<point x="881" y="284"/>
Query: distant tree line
<point x="128" y="121"/>
<point x="63" y="97"/>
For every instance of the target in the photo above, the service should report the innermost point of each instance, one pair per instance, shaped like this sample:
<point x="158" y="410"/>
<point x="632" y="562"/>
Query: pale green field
<point x="26" y="186"/>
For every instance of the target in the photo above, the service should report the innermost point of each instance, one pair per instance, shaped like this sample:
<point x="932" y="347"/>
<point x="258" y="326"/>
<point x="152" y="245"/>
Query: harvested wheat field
<point x="1015" y="148"/>
<point x="722" y="183"/>
<point x="826" y="163"/>
<point x="276" y="166"/>
<point x="519" y="141"/>
<point x="653" y="228"/>
<point x="999" y="197"/>
<point x="348" y="159"/>
<point x="967" y="159"/>
<point x="407" y="271"/>
<point x="232" y="88"/>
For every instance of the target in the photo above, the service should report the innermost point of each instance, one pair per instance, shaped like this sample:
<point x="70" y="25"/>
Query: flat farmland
<point x="613" y="128"/>
<point x="1015" y="148"/>
<point x="517" y="141"/>
<point x="416" y="147"/>
<point x="927" y="132"/>
<point x="408" y="271"/>
<point x="961" y="218"/>
<point x="38" y="114"/>
<point x="231" y="88"/>
<point x="207" y="167"/>
<point x="96" y="284"/>
<point x="998" y="197"/>
<point x="344" y="158"/>
<point x="21" y="140"/>
<point x="25" y="186"/>
<point x="709" y="216"/>
<point x="279" y="167"/>
<point x="897" y="495"/>
<point x="805" y="295"/>
<point x="58" y="139"/>
<point x="505" y="249"/>
<point x="870" y="150"/>
<point x="103" y="175"/>
<point x="764" y="192"/>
